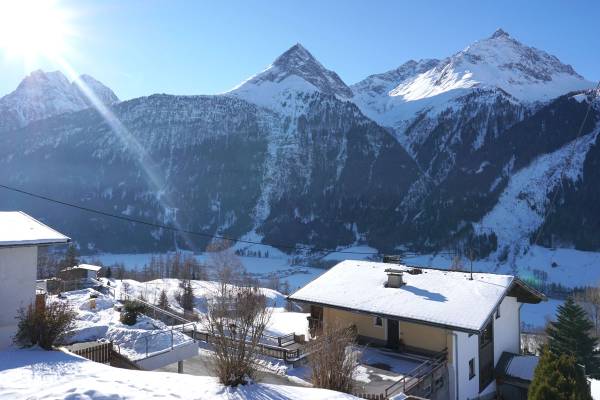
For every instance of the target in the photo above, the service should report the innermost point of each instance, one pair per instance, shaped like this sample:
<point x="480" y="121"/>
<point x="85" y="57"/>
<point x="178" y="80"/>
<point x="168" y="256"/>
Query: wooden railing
<point x="101" y="353"/>
<point x="417" y="375"/>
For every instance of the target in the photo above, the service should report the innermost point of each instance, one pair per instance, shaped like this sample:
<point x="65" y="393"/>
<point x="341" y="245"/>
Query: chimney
<point x="394" y="278"/>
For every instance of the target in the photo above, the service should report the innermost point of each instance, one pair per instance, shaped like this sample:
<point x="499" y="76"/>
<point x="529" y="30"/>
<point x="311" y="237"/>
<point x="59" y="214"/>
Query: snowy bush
<point x="45" y="325"/>
<point x="130" y="312"/>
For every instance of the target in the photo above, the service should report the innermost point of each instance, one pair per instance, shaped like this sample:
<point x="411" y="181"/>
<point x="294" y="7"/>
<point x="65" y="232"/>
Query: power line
<point x="186" y="231"/>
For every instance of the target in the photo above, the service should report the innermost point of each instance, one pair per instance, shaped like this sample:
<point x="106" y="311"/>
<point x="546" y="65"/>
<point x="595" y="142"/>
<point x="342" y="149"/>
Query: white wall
<point x="467" y="347"/>
<point x="18" y="270"/>
<point x="184" y="351"/>
<point x="506" y="328"/>
<point x="506" y="338"/>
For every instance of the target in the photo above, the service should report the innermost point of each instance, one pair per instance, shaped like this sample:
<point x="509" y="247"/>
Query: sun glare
<point x="31" y="29"/>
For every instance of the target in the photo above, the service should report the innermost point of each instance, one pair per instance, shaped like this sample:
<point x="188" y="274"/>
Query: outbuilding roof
<point x="516" y="368"/>
<point x="20" y="229"/>
<point x="437" y="297"/>
<point x="89" y="267"/>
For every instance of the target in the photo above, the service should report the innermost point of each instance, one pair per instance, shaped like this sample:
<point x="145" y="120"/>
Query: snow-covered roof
<point x="443" y="298"/>
<point x="20" y="229"/>
<point x="89" y="267"/>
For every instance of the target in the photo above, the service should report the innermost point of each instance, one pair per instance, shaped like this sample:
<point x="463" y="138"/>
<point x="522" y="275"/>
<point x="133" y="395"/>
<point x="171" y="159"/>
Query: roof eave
<point x="525" y="293"/>
<point x="30" y="243"/>
<point x="388" y="316"/>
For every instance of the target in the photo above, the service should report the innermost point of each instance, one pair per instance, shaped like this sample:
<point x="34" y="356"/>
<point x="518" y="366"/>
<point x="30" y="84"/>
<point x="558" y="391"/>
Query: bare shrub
<point x="44" y="325"/>
<point x="236" y="318"/>
<point x="333" y="359"/>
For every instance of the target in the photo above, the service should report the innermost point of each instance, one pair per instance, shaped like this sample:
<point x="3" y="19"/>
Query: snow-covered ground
<point x="101" y="322"/>
<point x="569" y="267"/>
<point x="282" y="322"/>
<point x="595" y="386"/>
<point x="34" y="373"/>
<point x="277" y="263"/>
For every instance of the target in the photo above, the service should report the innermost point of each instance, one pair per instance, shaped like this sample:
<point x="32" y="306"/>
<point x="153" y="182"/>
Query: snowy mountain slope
<point x="218" y="164"/>
<point x="284" y="85"/>
<point x="440" y="109"/>
<point x="523" y="204"/>
<point x="45" y="94"/>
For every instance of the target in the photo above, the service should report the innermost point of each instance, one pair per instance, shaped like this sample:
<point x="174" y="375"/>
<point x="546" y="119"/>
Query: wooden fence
<point x="101" y="353"/>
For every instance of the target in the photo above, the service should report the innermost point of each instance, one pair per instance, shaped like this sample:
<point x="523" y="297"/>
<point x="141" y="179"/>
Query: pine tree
<point x="558" y="377"/>
<point x="187" y="296"/>
<point x="163" y="301"/>
<point x="108" y="273"/>
<point x="570" y="335"/>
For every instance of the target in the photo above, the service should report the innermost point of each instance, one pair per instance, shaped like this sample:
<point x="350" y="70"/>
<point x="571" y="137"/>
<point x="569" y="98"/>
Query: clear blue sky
<point x="140" y="47"/>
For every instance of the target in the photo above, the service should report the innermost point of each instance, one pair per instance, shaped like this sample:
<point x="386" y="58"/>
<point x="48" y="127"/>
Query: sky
<point x="141" y="47"/>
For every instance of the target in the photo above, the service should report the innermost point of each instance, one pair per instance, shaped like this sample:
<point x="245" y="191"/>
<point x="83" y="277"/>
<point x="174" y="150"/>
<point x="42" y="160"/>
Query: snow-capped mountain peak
<point x="499" y="61"/>
<point x="499" y="33"/>
<point x="294" y="72"/>
<point x="104" y="93"/>
<point x="45" y="94"/>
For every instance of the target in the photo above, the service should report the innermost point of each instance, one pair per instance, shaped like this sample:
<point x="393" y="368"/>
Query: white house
<point x="470" y="319"/>
<point x="20" y="237"/>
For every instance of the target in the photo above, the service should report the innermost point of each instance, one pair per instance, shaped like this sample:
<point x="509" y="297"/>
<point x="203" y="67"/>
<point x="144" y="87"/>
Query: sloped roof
<point x="516" y="368"/>
<point x="437" y="297"/>
<point x="89" y="267"/>
<point x="20" y="229"/>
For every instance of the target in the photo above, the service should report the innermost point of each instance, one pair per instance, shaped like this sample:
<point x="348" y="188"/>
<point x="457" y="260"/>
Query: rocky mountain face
<point x="435" y="154"/>
<point x="45" y="94"/>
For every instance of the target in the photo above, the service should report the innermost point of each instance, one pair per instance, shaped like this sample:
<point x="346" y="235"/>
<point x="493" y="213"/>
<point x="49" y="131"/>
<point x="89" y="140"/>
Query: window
<point x="378" y="321"/>
<point x="471" y="368"/>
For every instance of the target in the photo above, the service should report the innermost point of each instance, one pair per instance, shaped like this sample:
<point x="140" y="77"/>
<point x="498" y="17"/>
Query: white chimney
<point x="394" y="278"/>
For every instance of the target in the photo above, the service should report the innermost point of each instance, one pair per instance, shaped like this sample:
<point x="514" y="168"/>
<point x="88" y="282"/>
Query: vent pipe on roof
<point x="394" y="278"/>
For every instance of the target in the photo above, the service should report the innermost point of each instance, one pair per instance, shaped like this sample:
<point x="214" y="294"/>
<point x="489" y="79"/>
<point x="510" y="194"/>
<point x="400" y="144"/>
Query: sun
<point x="33" y="29"/>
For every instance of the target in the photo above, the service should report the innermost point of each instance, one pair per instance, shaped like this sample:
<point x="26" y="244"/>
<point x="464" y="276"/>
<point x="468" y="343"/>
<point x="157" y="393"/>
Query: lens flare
<point x="33" y="29"/>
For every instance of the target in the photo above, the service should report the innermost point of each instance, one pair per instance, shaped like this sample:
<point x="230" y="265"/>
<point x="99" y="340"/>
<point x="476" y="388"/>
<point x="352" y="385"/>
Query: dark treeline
<point x="176" y="265"/>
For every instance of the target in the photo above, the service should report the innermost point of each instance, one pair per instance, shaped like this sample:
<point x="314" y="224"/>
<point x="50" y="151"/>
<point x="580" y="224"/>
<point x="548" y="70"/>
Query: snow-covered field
<point x="569" y="267"/>
<point x="282" y="322"/>
<point x="38" y="374"/>
<point x="101" y="322"/>
<point x="262" y="267"/>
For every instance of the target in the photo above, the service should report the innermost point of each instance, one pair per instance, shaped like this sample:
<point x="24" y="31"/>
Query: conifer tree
<point x="570" y="335"/>
<point x="187" y="296"/>
<point x="558" y="377"/>
<point x="163" y="301"/>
